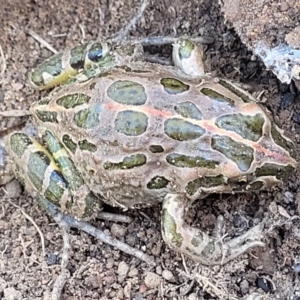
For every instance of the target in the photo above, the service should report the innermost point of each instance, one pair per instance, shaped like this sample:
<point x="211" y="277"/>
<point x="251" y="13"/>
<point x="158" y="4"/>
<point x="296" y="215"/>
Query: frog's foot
<point x="198" y="245"/>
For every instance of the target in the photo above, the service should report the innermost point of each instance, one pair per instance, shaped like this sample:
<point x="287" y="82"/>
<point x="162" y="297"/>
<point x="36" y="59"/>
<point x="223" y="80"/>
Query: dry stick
<point x="64" y="272"/>
<point x="30" y="219"/>
<point x="40" y="40"/>
<point x="3" y="62"/>
<point x="124" y="32"/>
<point x="113" y="217"/>
<point x="52" y="210"/>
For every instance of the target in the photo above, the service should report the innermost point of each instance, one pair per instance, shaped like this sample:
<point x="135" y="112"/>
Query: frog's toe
<point x="196" y="244"/>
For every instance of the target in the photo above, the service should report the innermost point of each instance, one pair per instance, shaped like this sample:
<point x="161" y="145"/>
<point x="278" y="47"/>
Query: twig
<point x="113" y="217"/>
<point x="30" y="220"/>
<point x="64" y="273"/>
<point x="3" y="62"/>
<point x="52" y="210"/>
<point x="124" y="32"/>
<point x="40" y="40"/>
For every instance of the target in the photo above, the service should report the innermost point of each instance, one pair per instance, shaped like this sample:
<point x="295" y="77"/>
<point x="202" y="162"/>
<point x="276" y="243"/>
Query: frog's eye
<point x="96" y="52"/>
<point x="188" y="57"/>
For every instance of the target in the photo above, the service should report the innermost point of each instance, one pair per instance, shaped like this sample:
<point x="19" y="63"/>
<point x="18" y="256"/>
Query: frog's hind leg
<point x="196" y="244"/>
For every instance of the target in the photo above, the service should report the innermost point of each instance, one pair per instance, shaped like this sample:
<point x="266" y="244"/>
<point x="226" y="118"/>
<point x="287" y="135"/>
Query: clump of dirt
<point x="98" y="271"/>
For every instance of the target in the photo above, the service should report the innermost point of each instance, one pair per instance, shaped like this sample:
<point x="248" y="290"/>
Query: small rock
<point x="264" y="284"/>
<point x="193" y="296"/>
<point x="17" y="86"/>
<point x="284" y="6"/>
<point x="12" y="294"/>
<point x="110" y="263"/>
<point x="118" y="230"/>
<point x="123" y="269"/>
<point x="13" y="189"/>
<point x="244" y="285"/>
<point x="133" y="272"/>
<point x="3" y="284"/>
<point x="52" y="259"/>
<point x="92" y="281"/>
<point x="166" y="274"/>
<point x="127" y="290"/>
<point x="143" y="289"/>
<point x="109" y="279"/>
<point x="158" y="270"/>
<point x="152" y="280"/>
<point x="120" y="294"/>
<point x="288" y="197"/>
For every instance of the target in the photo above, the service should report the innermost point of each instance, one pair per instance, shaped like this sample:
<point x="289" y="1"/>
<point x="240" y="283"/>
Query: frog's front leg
<point x="196" y="244"/>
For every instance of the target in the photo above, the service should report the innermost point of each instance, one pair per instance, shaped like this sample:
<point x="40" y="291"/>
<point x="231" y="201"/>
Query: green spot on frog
<point x="182" y="130"/>
<point x="184" y="161"/>
<point x="282" y="142"/>
<point x="68" y="142"/>
<point x="56" y="187"/>
<point x="231" y="87"/>
<point x="207" y="181"/>
<point x="255" y="186"/>
<point x="73" y="100"/>
<point x="174" y="86"/>
<point x="188" y="110"/>
<point x="131" y="123"/>
<point x="66" y="165"/>
<point x="19" y="142"/>
<point x="157" y="182"/>
<point x="37" y="165"/>
<point x="217" y="96"/>
<point x="87" y="118"/>
<point x="239" y="153"/>
<point x="156" y="149"/>
<point x="127" y="92"/>
<point x="52" y="66"/>
<point x="47" y="116"/>
<point x="85" y="145"/>
<point x="280" y="172"/>
<point x="77" y="56"/>
<point x="249" y="127"/>
<point x="169" y="225"/>
<point x="128" y="162"/>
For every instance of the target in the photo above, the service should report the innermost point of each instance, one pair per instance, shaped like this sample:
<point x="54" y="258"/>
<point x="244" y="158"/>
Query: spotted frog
<point x="132" y="133"/>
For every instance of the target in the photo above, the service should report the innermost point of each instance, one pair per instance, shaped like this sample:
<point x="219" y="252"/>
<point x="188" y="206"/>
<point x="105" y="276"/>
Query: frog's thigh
<point x="195" y="243"/>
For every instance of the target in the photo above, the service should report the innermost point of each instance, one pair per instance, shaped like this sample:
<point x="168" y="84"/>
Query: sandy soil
<point x="97" y="271"/>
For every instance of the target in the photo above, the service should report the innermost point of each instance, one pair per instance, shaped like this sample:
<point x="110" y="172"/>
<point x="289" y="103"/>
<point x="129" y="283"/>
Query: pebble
<point x="134" y="272"/>
<point x="123" y="269"/>
<point x="118" y="230"/>
<point x="13" y="189"/>
<point x="244" y="285"/>
<point x="166" y="274"/>
<point x="152" y="280"/>
<point x="284" y="6"/>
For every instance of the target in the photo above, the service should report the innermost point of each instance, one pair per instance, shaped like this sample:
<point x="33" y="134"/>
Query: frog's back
<point x="138" y="134"/>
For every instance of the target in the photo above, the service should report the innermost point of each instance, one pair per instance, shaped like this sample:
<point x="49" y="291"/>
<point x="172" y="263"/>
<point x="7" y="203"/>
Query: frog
<point x="130" y="133"/>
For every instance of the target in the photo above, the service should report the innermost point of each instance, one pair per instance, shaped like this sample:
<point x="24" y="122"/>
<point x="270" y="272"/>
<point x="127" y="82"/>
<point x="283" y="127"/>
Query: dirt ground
<point x="98" y="271"/>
